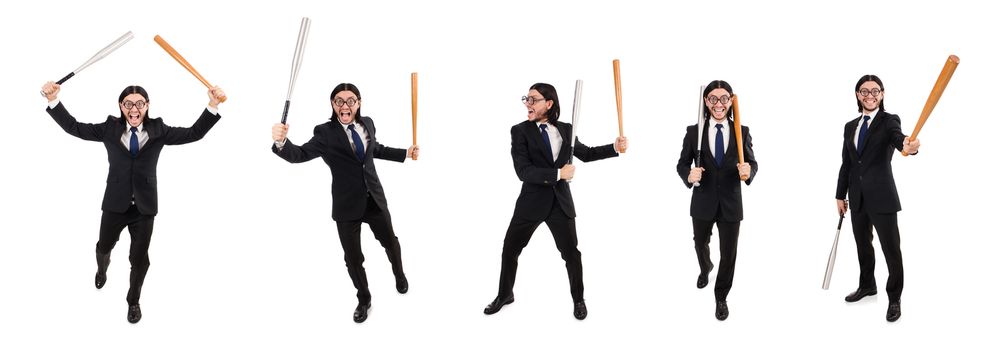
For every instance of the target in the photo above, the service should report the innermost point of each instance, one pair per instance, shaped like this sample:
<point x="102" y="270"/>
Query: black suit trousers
<point x="349" y="237"/>
<point x="728" y="231"/>
<point x="887" y="226"/>
<point x="564" y="232"/>
<point x="141" y="227"/>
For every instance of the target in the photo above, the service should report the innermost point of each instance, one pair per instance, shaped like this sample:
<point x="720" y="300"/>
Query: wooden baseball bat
<point x="181" y="60"/>
<point x="935" y="95"/>
<point x="618" y="96"/>
<point x="413" y="76"/>
<point x="737" y="133"/>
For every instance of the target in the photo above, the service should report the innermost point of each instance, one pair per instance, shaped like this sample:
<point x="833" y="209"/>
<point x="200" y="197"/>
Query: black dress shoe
<point x="704" y="279"/>
<point x="894" y="311"/>
<point x="579" y="310"/>
<point x="402" y="284"/>
<point x="860" y="293"/>
<point x="360" y="313"/>
<point x="722" y="311"/>
<point x="497" y="303"/>
<point x="103" y="261"/>
<point x="133" y="316"/>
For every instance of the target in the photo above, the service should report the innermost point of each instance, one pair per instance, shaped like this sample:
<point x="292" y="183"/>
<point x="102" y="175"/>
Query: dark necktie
<point x="358" y="144"/>
<point x="863" y="135"/>
<point x="718" y="154"/>
<point x="545" y="138"/>
<point x="134" y="143"/>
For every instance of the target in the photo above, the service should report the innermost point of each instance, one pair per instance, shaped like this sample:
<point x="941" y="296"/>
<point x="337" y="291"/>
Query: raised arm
<point x="84" y="131"/>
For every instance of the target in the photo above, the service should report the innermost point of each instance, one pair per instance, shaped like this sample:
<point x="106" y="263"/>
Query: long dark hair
<point x="864" y="79"/>
<point x="713" y="85"/>
<point x="129" y="90"/>
<point x="344" y="87"/>
<point x="549" y="94"/>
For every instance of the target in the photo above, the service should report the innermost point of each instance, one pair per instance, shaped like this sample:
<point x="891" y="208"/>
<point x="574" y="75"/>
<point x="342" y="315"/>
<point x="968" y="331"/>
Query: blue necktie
<point x="134" y="143"/>
<point x="718" y="154"/>
<point x="545" y="138"/>
<point x="863" y="135"/>
<point x="357" y="143"/>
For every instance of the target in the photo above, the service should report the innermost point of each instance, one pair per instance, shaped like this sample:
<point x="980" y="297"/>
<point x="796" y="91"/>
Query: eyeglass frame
<point x="128" y="105"/>
<point x="873" y="92"/>
<point x="723" y="99"/>
<point x="525" y="99"/>
<point x="339" y="102"/>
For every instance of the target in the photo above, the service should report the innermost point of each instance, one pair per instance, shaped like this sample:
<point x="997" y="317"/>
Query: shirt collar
<point x="138" y="128"/>
<point x="346" y="127"/>
<point x="871" y="114"/>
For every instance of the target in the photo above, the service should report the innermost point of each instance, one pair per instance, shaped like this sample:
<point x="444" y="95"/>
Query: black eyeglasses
<point x="722" y="99"/>
<point x="129" y="104"/>
<point x="528" y="100"/>
<point x="873" y="92"/>
<point x="340" y="102"/>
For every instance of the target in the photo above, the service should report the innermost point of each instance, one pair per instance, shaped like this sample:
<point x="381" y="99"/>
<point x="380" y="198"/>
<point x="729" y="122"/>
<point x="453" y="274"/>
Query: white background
<point x="245" y="255"/>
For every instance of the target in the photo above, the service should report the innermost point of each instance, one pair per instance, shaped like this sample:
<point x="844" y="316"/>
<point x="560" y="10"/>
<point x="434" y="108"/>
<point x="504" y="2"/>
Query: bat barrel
<point x="295" y="64"/>
<point x="617" y="73"/>
<point x="832" y="256"/>
<point x="737" y="132"/>
<point x="935" y="95"/>
<point x="414" y="84"/>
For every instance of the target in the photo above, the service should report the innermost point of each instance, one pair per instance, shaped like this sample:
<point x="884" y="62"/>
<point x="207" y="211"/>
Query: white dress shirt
<point x="360" y="131"/>
<point x="712" y="135"/>
<point x="555" y="140"/>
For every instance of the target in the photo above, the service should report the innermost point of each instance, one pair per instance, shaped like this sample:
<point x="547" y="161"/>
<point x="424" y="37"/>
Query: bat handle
<point x="60" y="82"/>
<point x="67" y="77"/>
<point x="904" y="153"/>
<point x="697" y="165"/>
<point x="286" y="108"/>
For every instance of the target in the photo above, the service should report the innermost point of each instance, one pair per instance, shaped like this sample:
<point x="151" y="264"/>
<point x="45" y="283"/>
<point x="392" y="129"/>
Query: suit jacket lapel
<point x="342" y="141"/>
<point x="705" y="146"/>
<point x="536" y="136"/>
<point x="731" y="153"/>
<point x="565" y="153"/>
<point x="116" y="134"/>
<point x="875" y="128"/>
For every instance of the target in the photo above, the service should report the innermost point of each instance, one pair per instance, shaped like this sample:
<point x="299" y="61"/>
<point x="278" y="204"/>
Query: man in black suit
<point x="348" y="145"/>
<point x="866" y="174"/>
<point x="541" y="153"/>
<point x="133" y="143"/>
<point x="716" y="187"/>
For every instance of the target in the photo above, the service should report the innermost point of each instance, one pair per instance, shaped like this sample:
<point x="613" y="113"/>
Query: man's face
<point x="870" y="95"/>
<point x="134" y="107"/>
<point x="718" y="101"/>
<point x="346" y="105"/>
<point x="538" y="107"/>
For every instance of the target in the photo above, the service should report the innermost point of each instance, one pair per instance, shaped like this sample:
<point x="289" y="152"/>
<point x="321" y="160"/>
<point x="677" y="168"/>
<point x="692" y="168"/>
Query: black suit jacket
<point x="720" y="186"/>
<point x="538" y="172"/>
<point x="132" y="180"/>
<point x="868" y="178"/>
<point x="352" y="179"/>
